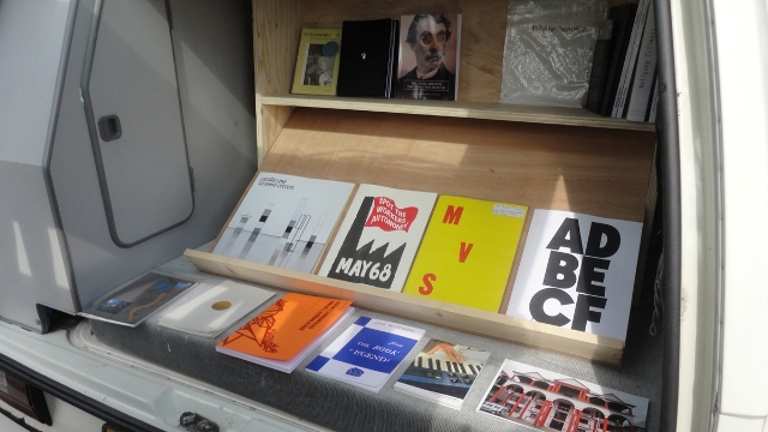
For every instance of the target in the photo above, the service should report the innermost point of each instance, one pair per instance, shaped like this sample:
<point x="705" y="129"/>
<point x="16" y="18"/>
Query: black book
<point x="623" y="17"/>
<point x="368" y="58"/>
<point x="599" y="66"/>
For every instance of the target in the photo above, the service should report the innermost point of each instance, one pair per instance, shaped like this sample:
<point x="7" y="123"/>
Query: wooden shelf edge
<point x="483" y="111"/>
<point x="595" y="348"/>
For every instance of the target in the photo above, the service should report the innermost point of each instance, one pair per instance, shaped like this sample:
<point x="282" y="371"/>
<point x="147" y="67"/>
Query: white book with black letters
<point x="577" y="271"/>
<point x="210" y="309"/>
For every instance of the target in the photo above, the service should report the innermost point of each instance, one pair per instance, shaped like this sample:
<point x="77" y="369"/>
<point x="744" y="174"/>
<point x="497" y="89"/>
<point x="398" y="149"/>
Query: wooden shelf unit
<point x="555" y="158"/>
<point x="277" y="27"/>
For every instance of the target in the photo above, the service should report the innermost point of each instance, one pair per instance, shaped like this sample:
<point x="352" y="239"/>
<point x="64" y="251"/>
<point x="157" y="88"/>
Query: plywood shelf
<point x="597" y="171"/>
<point x="277" y="26"/>
<point x="474" y="110"/>
<point x="600" y="349"/>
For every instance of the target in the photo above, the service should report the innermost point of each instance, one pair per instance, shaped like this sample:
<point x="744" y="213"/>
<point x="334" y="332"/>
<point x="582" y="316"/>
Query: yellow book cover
<point x="317" y="64"/>
<point x="285" y="328"/>
<point x="467" y="252"/>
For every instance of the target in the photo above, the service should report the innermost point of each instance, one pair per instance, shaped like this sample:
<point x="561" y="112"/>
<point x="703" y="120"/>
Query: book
<point x="367" y="353"/>
<point x="623" y="17"/>
<point x="208" y="310"/>
<point x="317" y="62"/>
<point x="577" y="271"/>
<point x="630" y="59"/>
<point x="379" y="236"/>
<point x="653" y="106"/>
<point x="131" y="304"/>
<point x="443" y="372"/>
<point x="428" y="56"/>
<point x="599" y="65"/>
<point x="645" y="72"/>
<point x="547" y="400"/>
<point x="467" y="252"/>
<point x="284" y="220"/>
<point x="287" y="331"/>
<point x="367" y="61"/>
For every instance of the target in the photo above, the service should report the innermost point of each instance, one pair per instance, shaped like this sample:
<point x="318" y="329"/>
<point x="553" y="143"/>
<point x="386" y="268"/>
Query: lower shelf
<point x="596" y="348"/>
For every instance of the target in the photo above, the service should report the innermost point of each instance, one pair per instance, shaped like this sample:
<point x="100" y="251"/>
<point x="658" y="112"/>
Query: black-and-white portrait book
<point x="428" y="59"/>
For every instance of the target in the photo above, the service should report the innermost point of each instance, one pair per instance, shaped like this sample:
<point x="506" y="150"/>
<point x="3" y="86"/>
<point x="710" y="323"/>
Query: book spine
<point x="653" y="108"/>
<point x="644" y="73"/>
<point x="630" y="59"/>
<point x="599" y="65"/>
<point x="458" y="58"/>
<point x="623" y="16"/>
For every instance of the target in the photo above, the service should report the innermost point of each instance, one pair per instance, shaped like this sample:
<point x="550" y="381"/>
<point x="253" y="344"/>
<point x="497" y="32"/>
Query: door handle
<point x="109" y="128"/>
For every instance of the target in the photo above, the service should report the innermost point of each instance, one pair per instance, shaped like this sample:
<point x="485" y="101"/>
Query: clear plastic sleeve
<point x="548" y="51"/>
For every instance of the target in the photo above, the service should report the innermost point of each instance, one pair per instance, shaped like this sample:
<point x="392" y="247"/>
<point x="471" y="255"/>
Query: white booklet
<point x="577" y="271"/>
<point x="209" y="310"/>
<point x="284" y="221"/>
<point x="367" y="353"/>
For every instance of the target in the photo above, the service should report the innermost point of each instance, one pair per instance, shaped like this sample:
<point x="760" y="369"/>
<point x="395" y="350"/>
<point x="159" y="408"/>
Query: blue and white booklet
<point x="367" y="353"/>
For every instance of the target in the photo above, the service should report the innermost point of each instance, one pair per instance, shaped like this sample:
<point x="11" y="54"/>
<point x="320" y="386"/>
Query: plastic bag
<point x="548" y="51"/>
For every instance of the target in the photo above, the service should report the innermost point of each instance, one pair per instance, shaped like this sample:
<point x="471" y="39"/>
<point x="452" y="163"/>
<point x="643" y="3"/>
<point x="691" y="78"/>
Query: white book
<point x="577" y="271"/>
<point x="378" y="239"/>
<point x="208" y="310"/>
<point x="284" y="221"/>
<point x="625" y="82"/>
<point x="645" y="71"/>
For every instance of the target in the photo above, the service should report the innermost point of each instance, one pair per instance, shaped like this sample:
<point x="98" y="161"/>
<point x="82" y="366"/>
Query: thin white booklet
<point x="209" y="310"/>
<point x="284" y="221"/>
<point x="577" y="271"/>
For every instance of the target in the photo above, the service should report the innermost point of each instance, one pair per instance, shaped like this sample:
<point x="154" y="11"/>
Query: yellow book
<point x="467" y="252"/>
<point x="317" y="64"/>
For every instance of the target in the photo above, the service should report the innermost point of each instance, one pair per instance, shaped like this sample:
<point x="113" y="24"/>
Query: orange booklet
<point x="287" y="327"/>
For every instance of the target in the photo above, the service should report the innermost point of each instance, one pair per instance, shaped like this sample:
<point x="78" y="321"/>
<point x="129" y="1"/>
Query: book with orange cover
<point x="287" y="331"/>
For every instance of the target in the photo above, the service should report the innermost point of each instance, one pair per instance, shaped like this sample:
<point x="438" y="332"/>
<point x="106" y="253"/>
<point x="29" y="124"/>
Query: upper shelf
<point x="475" y="110"/>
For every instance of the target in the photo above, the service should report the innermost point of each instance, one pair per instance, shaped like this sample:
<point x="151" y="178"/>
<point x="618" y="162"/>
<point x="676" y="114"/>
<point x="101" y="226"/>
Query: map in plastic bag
<point x="548" y="51"/>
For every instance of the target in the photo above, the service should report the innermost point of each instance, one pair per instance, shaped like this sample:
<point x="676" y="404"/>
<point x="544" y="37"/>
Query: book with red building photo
<point x="546" y="400"/>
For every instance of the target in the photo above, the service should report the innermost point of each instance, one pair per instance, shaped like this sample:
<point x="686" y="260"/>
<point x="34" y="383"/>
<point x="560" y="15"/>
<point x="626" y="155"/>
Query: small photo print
<point x="114" y="306"/>
<point x="320" y="62"/>
<point x="545" y="400"/>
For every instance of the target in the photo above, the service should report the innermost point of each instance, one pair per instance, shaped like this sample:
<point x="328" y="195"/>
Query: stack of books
<point x="623" y="79"/>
